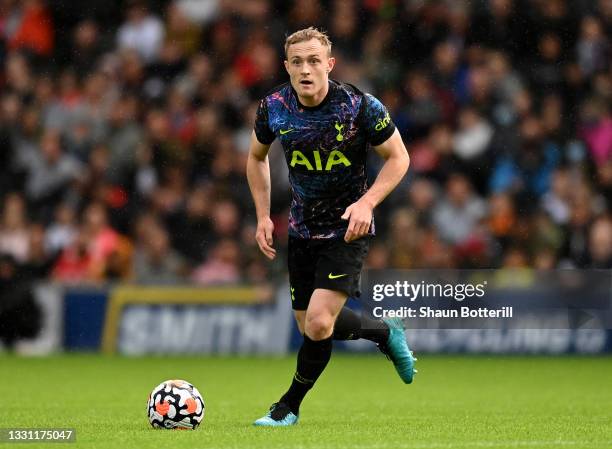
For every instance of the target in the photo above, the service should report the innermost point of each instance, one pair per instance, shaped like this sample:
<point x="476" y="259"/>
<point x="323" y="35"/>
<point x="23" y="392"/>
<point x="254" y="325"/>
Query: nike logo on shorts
<point x="336" y="276"/>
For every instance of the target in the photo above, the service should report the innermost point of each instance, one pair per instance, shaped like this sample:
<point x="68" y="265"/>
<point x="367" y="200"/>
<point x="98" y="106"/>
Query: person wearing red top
<point x="35" y="31"/>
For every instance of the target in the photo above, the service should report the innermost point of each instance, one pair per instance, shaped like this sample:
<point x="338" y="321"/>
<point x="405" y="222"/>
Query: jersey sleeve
<point x="377" y="121"/>
<point x="262" y="128"/>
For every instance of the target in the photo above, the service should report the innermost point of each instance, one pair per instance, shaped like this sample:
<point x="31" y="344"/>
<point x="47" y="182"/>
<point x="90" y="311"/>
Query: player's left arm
<point x="393" y="170"/>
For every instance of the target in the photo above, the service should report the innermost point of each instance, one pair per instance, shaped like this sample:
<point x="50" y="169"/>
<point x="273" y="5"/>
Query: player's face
<point x="308" y="65"/>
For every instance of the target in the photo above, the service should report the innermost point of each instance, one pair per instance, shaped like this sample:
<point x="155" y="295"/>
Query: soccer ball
<point x="175" y="404"/>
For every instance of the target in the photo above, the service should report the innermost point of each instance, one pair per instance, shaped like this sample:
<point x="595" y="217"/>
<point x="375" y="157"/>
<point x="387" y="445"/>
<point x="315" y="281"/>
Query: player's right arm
<point x="258" y="175"/>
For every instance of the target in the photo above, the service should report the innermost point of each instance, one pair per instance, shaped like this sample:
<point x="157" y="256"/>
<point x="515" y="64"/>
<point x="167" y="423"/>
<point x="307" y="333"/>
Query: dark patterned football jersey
<point x="326" y="150"/>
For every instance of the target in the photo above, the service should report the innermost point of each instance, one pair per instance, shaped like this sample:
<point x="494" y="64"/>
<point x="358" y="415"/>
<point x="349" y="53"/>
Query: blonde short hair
<point x="305" y="35"/>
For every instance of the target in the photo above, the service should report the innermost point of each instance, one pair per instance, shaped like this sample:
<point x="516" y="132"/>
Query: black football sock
<point x="350" y="326"/>
<point x="375" y="330"/>
<point x="347" y="325"/>
<point x="311" y="361"/>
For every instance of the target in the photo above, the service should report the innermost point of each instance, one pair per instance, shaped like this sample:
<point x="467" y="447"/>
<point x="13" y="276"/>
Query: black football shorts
<point x="332" y="264"/>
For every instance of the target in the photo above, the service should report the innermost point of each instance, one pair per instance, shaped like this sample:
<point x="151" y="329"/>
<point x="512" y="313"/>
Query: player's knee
<point x="319" y="327"/>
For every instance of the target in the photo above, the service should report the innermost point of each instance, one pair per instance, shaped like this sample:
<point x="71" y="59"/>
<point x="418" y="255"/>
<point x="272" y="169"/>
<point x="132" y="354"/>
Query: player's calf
<point x="351" y="326"/>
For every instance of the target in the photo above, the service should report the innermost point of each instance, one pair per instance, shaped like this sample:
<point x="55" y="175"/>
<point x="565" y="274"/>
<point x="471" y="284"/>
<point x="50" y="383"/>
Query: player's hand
<point x="263" y="235"/>
<point x="359" y="215"/>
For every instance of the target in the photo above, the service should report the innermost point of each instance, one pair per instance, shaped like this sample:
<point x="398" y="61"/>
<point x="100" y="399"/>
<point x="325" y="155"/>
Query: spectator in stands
<point x="600" y="244"/>
<point x="142" y="31"/>
<point x="18" y="75"/>
<point x="40" y="261"/>
<point x="378" y="257"/>
<point x="14" y="235"/>
<point x="592" y="48"/>
<point x="544" y="72"/>
<point x="556" y="202"/>
<point x="576" y="236"/>
<point x="102" y="240"/>
<point x="502" y="216"/>
<point x="224" y="224"/>
<point x="34" y="32"/>
<point x="471" y="145"/>
<point x="423" y="108"/>
<point x="456" y="215"/>
<point x="155" y="262"/>
<point x="422" y="197"/>
<point x="63" y="229"/>
<point x="404" y="239"/>
<point x="73" y="266"/>
<point x="190" y="226"/>
<point x="20" y="315"/>
<point x="221" y="267"/>
<point x="181" y="28"/>
<point x="596" y="128"/>
<point x="87" y="47"/>
<point x="500" y="27"/>
<point x="48" y="170"/>
<point x="123" y="139"/>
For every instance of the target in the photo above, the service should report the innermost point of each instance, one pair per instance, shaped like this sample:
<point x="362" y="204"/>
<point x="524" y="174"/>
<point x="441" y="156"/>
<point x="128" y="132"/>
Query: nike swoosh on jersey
<point x="336" y="276"/>
<point x="285" y="131"/>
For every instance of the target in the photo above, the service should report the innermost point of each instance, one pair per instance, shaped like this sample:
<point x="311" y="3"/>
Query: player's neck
<point x="316" y="99"/>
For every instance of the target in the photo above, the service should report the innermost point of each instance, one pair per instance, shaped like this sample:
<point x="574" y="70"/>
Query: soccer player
<point x="325" y="128"/>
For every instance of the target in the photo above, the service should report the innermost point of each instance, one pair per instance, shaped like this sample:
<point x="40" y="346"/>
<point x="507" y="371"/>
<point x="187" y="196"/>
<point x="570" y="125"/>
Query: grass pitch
<point x="359" y="402"/>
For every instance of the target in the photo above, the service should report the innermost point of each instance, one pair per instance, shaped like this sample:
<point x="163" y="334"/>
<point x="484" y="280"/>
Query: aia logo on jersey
<point x="335" y="157"/>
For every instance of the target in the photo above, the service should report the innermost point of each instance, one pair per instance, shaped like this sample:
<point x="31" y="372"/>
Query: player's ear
<point x="331" y="62"/>
<point x="286" y="65"/>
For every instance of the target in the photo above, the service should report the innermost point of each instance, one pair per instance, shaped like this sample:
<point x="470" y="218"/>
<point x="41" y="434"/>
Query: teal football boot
<point x="279" y="416"/>
<point x="397" y="350"/>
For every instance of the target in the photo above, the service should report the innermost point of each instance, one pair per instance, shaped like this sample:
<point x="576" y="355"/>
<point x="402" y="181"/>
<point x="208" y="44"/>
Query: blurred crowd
<point x="124" y="128"/>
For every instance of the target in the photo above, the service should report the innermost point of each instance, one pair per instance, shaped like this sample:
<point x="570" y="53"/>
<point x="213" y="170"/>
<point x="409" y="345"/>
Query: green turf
<point x="456" y="402"/>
